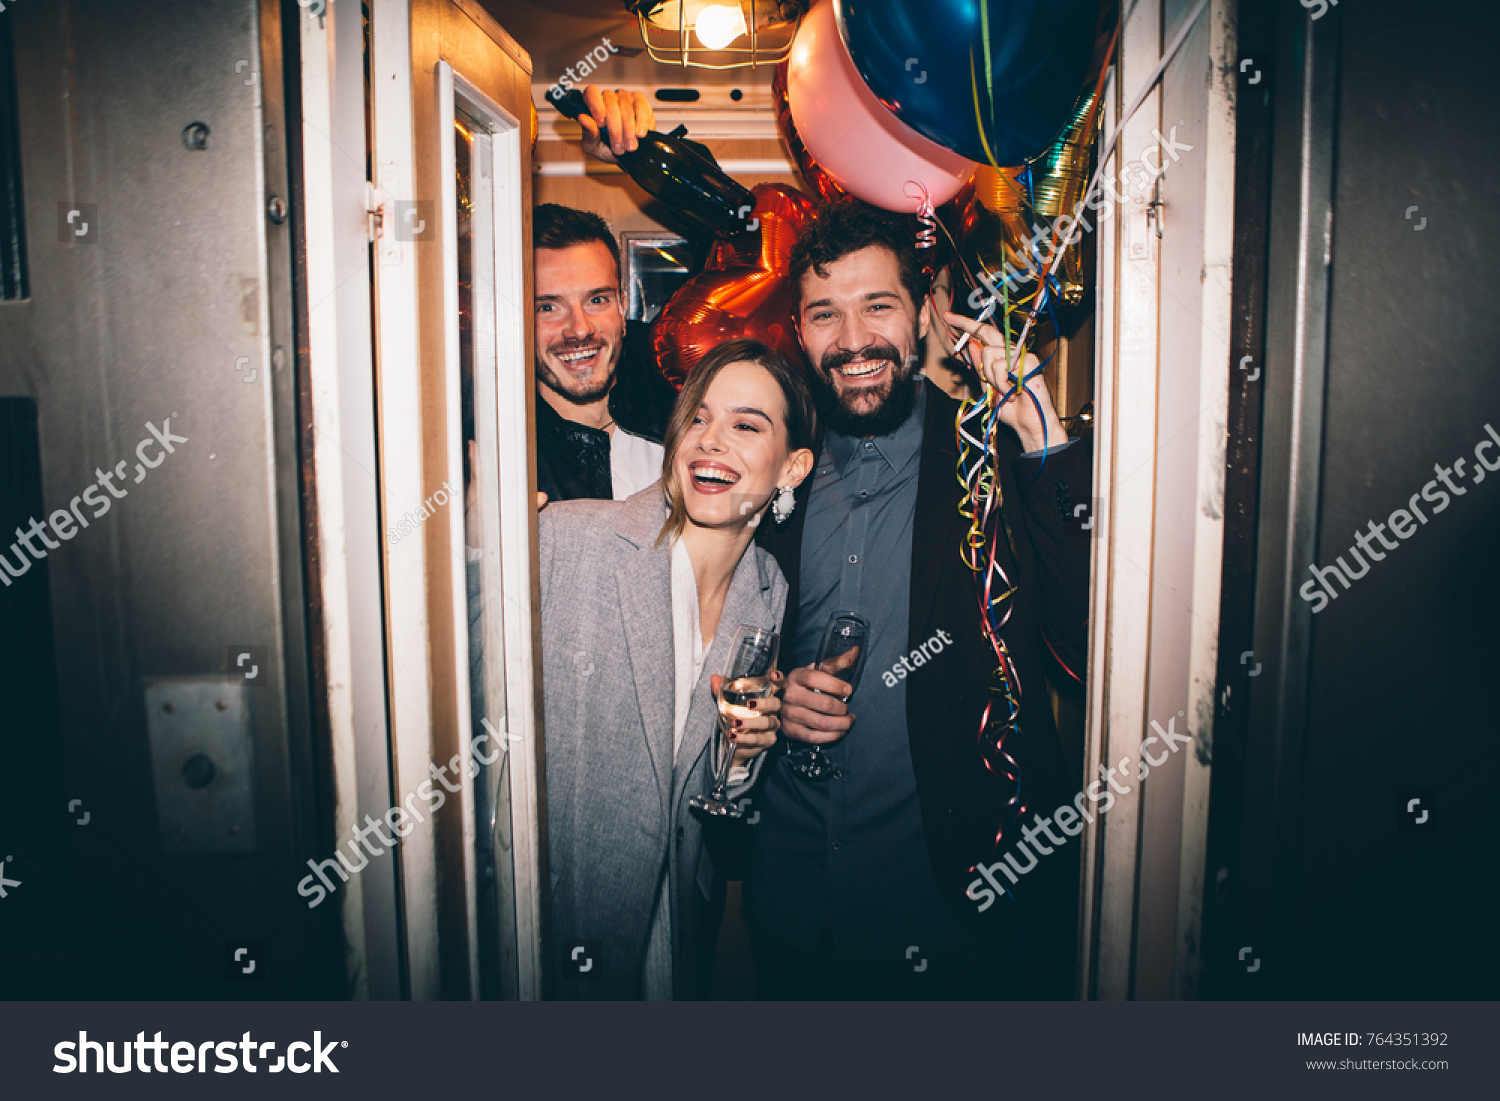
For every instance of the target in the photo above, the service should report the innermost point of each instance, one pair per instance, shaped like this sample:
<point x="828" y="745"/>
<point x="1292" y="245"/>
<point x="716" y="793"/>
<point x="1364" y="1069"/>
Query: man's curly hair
<point x="848" y="225"/>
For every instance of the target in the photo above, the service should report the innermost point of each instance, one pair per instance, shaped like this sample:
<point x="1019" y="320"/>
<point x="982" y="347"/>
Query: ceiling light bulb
<point x="720" y="24"/>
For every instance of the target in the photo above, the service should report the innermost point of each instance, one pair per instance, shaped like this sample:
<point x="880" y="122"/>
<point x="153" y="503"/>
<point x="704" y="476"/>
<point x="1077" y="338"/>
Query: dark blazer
<point x="962" y="803"/>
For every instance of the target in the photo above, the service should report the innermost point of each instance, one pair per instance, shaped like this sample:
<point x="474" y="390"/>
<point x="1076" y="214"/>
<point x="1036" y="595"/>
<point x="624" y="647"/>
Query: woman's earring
<point x="783" y="503"/>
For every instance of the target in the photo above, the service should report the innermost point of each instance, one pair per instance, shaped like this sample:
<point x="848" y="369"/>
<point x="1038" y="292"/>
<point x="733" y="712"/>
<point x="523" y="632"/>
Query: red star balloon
<point x="741" y="292"/>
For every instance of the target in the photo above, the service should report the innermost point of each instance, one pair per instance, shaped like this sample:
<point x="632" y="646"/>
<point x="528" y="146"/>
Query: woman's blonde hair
<point x="801" y="414"/>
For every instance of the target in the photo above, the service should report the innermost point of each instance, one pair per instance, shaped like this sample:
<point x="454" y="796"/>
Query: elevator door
<point x="156" y="760"/>
<point x="1355" y="848"/>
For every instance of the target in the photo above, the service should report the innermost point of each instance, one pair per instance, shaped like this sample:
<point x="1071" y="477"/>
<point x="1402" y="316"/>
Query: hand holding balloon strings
<point x="1036" y="424"/>
<point x="1011" y="371"/>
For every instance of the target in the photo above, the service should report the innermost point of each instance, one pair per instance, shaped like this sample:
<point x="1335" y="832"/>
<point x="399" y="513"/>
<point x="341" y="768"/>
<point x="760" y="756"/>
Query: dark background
<point x="1392" y="691"/>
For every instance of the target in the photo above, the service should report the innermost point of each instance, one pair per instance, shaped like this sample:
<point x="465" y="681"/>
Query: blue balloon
<point x="916" y="57"/>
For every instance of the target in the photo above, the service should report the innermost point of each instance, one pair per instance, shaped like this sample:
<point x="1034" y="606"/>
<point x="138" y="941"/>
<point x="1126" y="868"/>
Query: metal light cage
<point x="770" y="27"/>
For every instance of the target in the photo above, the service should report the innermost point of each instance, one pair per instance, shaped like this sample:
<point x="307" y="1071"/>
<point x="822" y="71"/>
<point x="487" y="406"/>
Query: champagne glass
<point x="747" y="676"/>
<point x="842" y="654"/>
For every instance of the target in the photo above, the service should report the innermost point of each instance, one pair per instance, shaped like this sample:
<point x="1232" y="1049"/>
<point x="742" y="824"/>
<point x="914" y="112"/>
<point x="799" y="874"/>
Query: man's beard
<point x="549" y="378"/>
<point x="895" y="406"/>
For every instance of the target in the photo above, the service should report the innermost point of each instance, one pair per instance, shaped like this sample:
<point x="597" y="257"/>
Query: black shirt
<point x="572" y="459"/>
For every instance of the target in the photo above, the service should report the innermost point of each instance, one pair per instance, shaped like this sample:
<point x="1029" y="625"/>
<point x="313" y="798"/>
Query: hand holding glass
<point x="747" y="676"/>
<point x="840" y="654"/>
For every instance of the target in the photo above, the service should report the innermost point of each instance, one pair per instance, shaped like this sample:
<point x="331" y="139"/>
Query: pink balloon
<point x="852" y="136"/>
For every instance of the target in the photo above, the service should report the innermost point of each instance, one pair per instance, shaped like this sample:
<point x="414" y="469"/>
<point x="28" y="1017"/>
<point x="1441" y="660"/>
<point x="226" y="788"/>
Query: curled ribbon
<point x="927" y="235"/>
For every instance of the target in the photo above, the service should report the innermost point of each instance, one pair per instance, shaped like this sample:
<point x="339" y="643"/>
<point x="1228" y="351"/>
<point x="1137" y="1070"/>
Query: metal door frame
<point x="503" y="409"/>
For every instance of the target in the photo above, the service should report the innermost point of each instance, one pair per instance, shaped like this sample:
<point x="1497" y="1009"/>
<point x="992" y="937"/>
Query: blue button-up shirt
<point x="849" y="854"/>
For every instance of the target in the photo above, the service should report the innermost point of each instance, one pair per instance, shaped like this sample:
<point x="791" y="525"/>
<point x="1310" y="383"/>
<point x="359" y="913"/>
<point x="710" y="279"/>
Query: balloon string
<point x="1109" y="146"/>
<point x="927" y="235"/>
<point x="982" y="501"/>
<point x="982" y="504"/>
<point x="1065" y="667"/>
<point x="978" y="112"/>
<point x="989" y="80"/>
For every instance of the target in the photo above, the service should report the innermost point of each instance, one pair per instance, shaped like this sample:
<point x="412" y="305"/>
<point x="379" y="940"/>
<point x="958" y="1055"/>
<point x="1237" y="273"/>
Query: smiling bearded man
<point x="866" y="375"/>
<point x="863" y="860"/>
<point x="854" y="407"/>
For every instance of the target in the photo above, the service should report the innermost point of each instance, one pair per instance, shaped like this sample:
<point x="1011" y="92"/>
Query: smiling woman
<point x="640" y="599"/>
<point x="723" y="433"/>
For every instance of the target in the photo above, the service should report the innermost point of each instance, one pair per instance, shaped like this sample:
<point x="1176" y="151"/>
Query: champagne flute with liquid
<point x="841" y="654"/>
<point x="747" y="676"/>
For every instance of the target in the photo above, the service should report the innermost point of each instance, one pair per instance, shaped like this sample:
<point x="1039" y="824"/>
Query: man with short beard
<point x="857" y="878"/>
<point x="602" y="406"/>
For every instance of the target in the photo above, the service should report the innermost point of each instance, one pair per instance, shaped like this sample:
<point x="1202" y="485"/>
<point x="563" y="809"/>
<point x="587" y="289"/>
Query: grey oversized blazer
<point x="617" y="809"/>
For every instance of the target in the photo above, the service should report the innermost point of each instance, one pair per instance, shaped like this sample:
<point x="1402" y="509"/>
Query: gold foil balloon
<point x="1002" y="232"/>
<point x="1000" y="240"/>
<point x="1005" y="235"/>
<point x="1058" y="178"/>
<point x="1059" y="175"/>
<point x="994" y="241"/>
